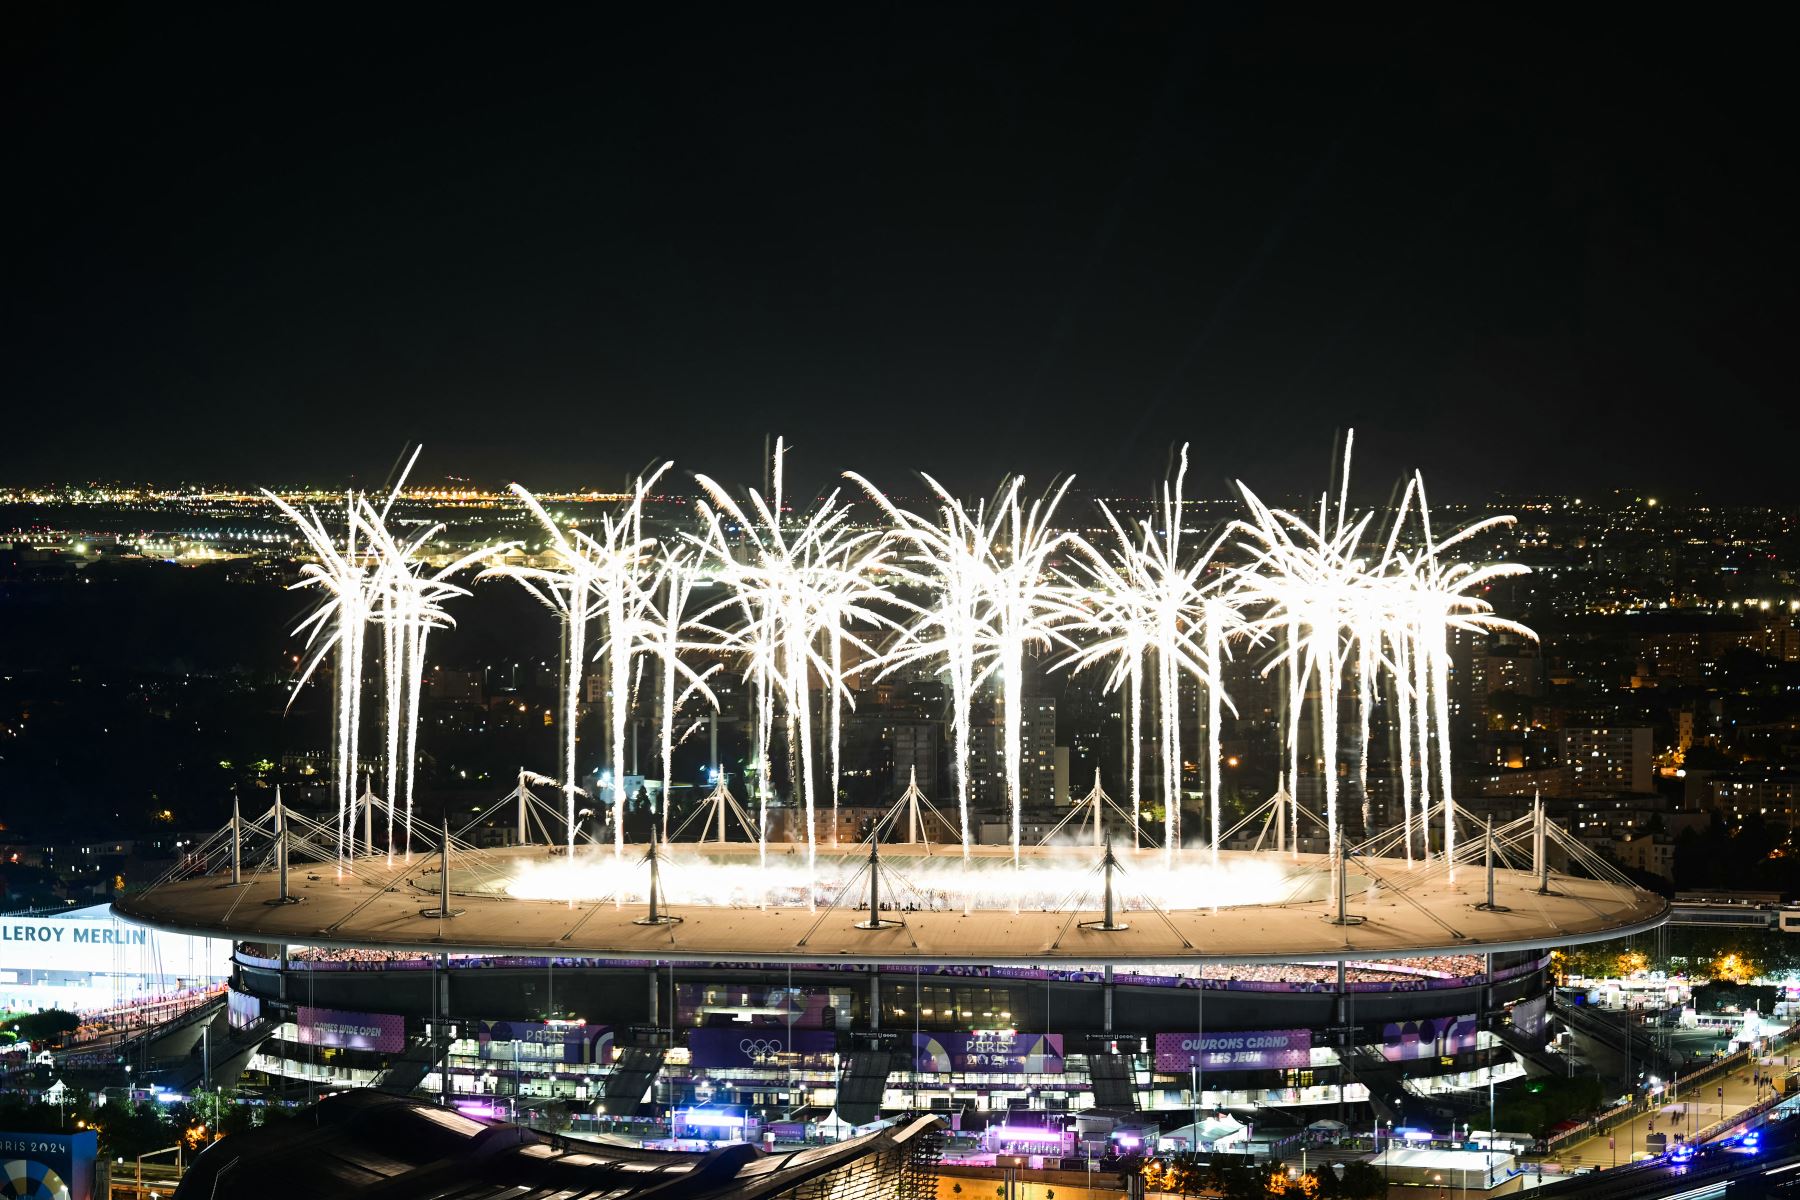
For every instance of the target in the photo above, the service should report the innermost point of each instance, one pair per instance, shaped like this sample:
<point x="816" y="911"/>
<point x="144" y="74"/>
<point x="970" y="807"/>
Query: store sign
<point x="989" y="1050"/>
<point x="385" y="1032"/>
<point x="718" y="1048"/>
<point x="577" y="1042"/>
<point x="1234" y="1050"/>
<point x="93" y="940"/>
<point x="59" y="1165"/>
<point x="1430" y="1037"/>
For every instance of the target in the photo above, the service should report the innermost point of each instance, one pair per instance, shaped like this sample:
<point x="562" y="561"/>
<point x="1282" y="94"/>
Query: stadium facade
<point x="774" y="1052"/>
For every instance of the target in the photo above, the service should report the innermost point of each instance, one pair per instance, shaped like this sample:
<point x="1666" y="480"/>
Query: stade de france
<point x="1156" y="967"/>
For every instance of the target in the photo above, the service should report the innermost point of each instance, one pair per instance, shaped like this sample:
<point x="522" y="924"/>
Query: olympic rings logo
<point x="762" y="1047"/>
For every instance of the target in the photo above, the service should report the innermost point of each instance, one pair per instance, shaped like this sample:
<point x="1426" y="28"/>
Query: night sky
<point x="278" y="243"/>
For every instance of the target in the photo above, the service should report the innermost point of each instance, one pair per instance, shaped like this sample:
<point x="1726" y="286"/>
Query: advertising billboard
<point x="242" y="1011"/>
<point x="58" y="1165"/>
<point x="1234" y="1050"/>
<point x="1429" y="1037"/>
<point x="385" y="1032"/>
<point x="989" y="1050"/>
<point x="1532" y="1017"/>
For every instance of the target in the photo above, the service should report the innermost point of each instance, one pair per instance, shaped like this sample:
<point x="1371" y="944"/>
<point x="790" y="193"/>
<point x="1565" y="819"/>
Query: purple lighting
<point x="1048" y="1137"/>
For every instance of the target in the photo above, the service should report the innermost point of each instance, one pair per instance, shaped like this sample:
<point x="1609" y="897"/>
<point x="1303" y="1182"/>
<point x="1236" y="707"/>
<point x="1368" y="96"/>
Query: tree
<point x="45" y="1026"/>
<point x="1235" y="1181"/>
<point x="1361" y="1181"/>
<point x="1734" y="967"/>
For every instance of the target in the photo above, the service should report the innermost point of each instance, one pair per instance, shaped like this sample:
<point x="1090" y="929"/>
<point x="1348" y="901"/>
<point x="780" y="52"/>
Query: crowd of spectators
<point x="353" y="957"/>
<point x="1400" y="974"/>
<point x="139" y="1012"/>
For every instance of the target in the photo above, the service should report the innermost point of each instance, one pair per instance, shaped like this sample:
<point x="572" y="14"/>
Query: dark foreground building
<point x="364" y="1143"/>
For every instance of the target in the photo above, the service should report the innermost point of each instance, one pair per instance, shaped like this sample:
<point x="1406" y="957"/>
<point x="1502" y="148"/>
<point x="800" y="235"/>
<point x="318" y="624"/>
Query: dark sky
<point x="280" y="242"/>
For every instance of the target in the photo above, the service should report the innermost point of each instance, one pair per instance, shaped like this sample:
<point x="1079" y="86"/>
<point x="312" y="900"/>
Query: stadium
<point x="1366" y="991"/>
<point x="1182" y="968"/>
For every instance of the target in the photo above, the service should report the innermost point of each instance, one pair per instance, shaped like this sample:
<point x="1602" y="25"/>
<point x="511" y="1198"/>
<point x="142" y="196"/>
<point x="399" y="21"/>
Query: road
<point x="1705" y="1177"/>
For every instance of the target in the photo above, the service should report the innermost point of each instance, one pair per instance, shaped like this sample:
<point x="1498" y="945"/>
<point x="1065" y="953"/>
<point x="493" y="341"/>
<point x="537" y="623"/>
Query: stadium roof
<point x="1411" y="913"/>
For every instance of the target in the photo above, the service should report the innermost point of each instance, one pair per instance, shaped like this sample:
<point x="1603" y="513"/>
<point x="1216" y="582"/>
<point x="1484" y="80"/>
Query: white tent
<point x="1220" y="1132"/>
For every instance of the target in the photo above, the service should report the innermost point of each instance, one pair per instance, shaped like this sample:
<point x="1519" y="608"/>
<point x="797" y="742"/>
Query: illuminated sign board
<point x="1429" y="1037"/>
<point x="1234" y="1050"/>
<point x="385" y="1032"/>
<point x="989" y="1050"/>
<point x="55" y="1165"/>
<point x="93" y="940"/>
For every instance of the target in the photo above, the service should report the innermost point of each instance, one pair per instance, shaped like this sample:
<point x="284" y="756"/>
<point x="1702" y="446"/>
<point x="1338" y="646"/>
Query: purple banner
<point x="350" y="1030"/>
<point x="1532" y="1017"/>
<point x="570" y="1041"/>
<point x="242" y="1010"/>
<point x="1234" y="1050"/>
<point x="1428" y="1038"/>
<point x="988" y="1050"/>
<point x="750" y="1047"/>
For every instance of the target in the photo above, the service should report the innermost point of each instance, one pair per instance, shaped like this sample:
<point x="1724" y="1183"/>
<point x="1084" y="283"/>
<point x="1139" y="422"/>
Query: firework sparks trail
<point x="950" y="557"/>
<point x="994" y="597"/>
<point x="1403" y="723"/>
<point x="607" y="575"/>
<point x="624" y="566"/>
<point x="796" y="583"/>
<point x="1117" y="620"/>
<point x="1156" y="607"/>
<point x="409" y="601"/>
<point x="566" y="589"/>
<point x="1438" y="599"/>
<point x="1028" y="607"/>
<point x="1311" y="586"/>
<point x="334" y="631"/>
<point x="808" y="588"/>
<point x="1221" y="621"/>
<point x="668" y="636"/>
<point x="374" y="578"/>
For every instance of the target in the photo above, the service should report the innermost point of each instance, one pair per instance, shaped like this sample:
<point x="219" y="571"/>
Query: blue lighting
<point x="706" y="1118"/>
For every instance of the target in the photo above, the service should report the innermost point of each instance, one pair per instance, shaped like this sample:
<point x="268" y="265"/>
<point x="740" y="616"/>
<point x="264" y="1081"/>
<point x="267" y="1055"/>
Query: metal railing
<point x="1613" y="1118"/>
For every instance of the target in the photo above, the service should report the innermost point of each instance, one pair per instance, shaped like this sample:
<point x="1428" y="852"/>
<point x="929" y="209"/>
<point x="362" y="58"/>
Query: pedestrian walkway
<point x="1702" y="1107"/>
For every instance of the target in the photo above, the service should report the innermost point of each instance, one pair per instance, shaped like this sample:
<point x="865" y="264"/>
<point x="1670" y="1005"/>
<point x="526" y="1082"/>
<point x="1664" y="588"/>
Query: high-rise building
<point x="913" y="747"/>
<point x="1037" y="762"/>
<point x="1608" y="759"/>
<point x="1037" y="755"/>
